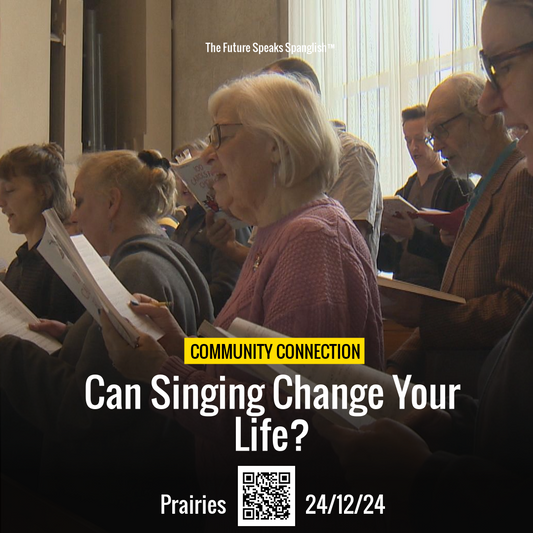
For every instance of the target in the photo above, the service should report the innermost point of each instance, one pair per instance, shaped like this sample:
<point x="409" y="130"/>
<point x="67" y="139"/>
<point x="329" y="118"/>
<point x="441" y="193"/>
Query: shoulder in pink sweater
<point x="310" y="275"/>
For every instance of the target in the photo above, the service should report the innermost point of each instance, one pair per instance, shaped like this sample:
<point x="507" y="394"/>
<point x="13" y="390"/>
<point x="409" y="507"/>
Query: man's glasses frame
<point x="490" y="64"/>
<point x="215" y="135"/>
<point x="441" y="132"/>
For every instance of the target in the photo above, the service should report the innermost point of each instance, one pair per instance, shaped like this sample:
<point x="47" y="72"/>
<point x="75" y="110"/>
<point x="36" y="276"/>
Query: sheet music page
<point x="337" y="416"/>
<point x="74" y="260"/>
<point x="269" y="373"/>
<point x="62" y="261"/>
<point x="116" y="293"/>
<point x="404" y="286"/>
<point x="322" y="374"/>
<point x="358" y="374"/>
<point x="340" y="374"/>
<point x="14" y="320"/>
<point x="207" y="330"/>
<point x="243" y="328"/>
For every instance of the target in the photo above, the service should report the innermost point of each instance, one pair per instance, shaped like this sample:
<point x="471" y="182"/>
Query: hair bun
<point x="54" y="150"/>
<point x="153" y="159"/>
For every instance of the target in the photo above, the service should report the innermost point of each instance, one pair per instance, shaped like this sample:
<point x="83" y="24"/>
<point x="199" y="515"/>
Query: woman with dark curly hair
<point x="32" y="179"/>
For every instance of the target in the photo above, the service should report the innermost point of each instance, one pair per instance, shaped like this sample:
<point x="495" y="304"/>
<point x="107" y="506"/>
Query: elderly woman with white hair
<point x="308" y="273"/>
<point x="274" y="154"/>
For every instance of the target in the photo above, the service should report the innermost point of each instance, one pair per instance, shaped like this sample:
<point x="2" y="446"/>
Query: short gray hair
<point x="469" y="87"/>
<point x="292" y="115"/>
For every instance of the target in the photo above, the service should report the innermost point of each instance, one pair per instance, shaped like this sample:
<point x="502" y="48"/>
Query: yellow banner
<point x="275" y="351"/>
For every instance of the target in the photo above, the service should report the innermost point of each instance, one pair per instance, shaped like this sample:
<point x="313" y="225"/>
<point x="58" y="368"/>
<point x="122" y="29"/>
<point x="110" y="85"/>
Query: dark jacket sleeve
<point x="390" y="253"/>
<point x="51" y="392"/>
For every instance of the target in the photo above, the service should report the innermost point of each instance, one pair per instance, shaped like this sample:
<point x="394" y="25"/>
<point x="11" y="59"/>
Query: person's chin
<point x="229" y="209"/>
<point x="224" y="201"/>
<point x="13" y="228"/>
<point x="457" y="168"/>
<point x="225" y="207"/>
<point x="230" y="212"/>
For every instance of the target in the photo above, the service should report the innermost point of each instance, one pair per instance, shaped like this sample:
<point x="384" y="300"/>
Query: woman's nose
<point x="208" y="155"/>
<point x="490" y="101"/>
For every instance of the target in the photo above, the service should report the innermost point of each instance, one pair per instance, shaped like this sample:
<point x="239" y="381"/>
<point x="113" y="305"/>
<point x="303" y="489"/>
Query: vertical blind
<point x="381" y="56"/>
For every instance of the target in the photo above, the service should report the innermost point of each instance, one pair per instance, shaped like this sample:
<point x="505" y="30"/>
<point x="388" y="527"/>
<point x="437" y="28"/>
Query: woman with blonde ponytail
<point x="102" y="462"/>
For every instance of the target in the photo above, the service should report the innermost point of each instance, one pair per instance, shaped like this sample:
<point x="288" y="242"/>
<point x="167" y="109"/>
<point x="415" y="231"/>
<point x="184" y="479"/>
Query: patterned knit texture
<point x="307" y="275"/>
<point x="489" y="266"/>
<point x="310" y="275"/>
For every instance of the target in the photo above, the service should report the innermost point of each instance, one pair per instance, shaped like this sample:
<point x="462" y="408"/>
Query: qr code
<point x="266" y="495"/>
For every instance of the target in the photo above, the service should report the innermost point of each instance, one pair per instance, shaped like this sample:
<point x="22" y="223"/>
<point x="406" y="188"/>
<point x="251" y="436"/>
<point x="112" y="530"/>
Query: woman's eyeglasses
<point x="490" y="64"/>
<point x="215" y="135"/>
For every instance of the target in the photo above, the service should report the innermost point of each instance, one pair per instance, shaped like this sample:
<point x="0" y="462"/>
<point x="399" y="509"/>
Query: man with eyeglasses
<point x="490" y="262"/>
<point x="420" y="257"/>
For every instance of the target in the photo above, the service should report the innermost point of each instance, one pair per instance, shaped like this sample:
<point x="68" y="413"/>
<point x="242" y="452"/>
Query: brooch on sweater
<point x="257" y="261"/>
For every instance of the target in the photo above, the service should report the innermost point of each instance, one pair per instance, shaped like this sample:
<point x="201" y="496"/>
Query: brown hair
<point x="43" y="165"/>
<point x="413" y="113"/>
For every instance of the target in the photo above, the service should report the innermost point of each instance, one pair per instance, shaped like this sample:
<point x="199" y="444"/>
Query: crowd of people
<point x="310" y="190"/>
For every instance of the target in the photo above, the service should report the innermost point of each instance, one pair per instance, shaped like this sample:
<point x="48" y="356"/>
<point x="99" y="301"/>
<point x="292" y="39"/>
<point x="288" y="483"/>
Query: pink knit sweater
<point x="308" y="275"/>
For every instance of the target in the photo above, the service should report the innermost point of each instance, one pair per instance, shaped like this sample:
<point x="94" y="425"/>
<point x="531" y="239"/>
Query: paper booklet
<point x="449" y="221"/>
<point x="424" y="292"/>
<point x="198" y="178"/>
<point x="86" y="274"/>
<point x="14" y="320"/>
<point x="313" y="374"/>
<point x="396" y="205"/>
<point x="238" y="328"/>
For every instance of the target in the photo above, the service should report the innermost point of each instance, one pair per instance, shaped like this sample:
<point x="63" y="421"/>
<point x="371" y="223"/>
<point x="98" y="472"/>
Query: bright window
<point x="382" y="56"/>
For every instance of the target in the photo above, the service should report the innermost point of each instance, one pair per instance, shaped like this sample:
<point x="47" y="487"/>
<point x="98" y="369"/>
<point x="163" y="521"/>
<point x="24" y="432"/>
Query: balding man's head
<point x="464" y="136"/>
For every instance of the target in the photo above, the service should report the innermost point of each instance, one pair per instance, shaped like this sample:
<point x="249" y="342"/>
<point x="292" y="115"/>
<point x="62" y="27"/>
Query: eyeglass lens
<point x="214" y="136"/>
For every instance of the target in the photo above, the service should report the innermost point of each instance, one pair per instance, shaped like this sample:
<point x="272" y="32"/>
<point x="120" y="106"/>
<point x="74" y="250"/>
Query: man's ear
<point x="114" y="200"/>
